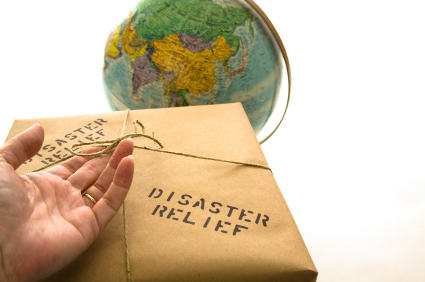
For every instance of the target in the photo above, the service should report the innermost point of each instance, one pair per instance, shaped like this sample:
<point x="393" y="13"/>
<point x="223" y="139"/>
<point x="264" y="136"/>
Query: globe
<point x="176" y="53"/>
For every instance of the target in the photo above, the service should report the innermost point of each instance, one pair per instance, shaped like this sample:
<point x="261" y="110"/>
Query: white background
<point x="350" y="155"/>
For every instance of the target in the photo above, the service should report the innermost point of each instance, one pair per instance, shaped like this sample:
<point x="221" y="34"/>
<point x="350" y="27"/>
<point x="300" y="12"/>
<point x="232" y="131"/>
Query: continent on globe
<point x="143" y="73"/>
<point x="193" y="71"/>
<point x="170" y="53"/>
<point x="134" y="47"/>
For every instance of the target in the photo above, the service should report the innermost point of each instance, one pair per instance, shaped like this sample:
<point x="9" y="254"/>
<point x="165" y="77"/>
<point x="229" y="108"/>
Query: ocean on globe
<point x="174" y="53"/>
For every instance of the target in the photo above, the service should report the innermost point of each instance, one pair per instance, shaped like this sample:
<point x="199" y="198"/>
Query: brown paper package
<point x="186" y="219"/>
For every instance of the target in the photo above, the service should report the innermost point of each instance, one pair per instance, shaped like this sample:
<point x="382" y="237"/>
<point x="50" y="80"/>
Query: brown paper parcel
<point x="185" y="219"/>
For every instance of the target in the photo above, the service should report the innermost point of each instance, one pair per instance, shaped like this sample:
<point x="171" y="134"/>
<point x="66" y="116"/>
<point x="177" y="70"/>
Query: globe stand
<point x="285" y="57"/>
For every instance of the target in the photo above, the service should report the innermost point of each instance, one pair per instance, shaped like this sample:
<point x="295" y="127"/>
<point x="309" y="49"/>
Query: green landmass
<point x="182" y="93"/>
<point x="200" y="17"/>
<point x="251" y="29"/>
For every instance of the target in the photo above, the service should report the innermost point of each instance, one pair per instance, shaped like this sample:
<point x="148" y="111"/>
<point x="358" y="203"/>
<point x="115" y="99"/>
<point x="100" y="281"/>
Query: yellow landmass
<point x="194" y="72"/>
<point x="169" y="86"/>
<point x="128" y="35"/>
<point x="113" y="46"/>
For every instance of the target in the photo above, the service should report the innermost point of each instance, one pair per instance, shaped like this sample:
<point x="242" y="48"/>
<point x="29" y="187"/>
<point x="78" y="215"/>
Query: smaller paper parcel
<point x="185" y="219"/>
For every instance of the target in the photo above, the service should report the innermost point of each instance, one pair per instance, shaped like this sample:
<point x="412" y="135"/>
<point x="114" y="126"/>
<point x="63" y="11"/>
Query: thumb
<point x="23" y="146"/>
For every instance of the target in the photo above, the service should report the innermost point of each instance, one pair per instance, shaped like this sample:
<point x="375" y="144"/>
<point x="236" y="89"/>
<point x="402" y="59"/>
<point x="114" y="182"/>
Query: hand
<point x="45" y="223"/>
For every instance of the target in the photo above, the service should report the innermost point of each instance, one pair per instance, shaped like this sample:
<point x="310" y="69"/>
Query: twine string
<point x="109" y="145"/>
<point x="127" y="256"/>
<point x="202" y="157"/>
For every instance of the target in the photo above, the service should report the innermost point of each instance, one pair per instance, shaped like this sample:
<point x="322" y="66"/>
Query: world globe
<point x="176" y="53"/>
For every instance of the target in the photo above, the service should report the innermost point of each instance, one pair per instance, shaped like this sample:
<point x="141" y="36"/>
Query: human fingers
<point x="23" y="146"/>
<point x="69" y="167"/>
<point x="124" y="149"/>
<point x="106" y="208"/>
<point x="86" y="175"/>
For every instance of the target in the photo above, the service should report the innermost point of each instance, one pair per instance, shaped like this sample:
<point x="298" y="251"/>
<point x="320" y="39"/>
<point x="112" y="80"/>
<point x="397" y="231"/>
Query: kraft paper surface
<point x="186" y="219"/>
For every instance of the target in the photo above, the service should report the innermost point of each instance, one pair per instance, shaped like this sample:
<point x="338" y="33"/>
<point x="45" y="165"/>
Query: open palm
<point x="45" y="223"/>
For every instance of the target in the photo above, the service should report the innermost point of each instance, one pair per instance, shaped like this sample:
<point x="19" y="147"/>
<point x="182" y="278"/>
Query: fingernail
<point x="32" y="126"/>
